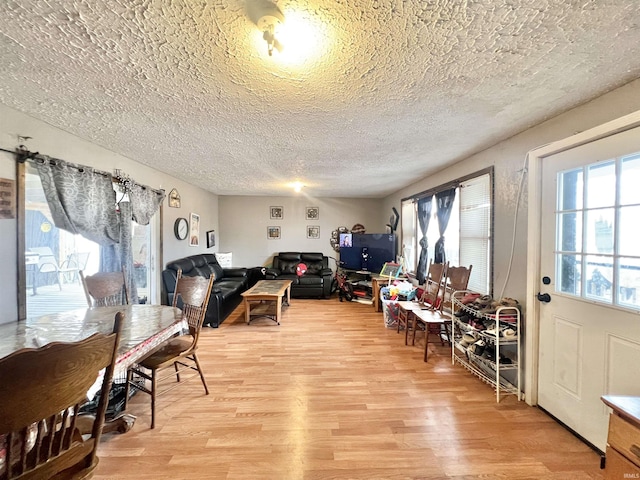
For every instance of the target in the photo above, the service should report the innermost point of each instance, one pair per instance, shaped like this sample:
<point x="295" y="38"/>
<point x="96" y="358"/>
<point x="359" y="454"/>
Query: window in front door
<point x="597" y="248"/>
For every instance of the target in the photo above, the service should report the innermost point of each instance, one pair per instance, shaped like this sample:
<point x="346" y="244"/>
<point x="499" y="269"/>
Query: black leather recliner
<point x="227" y="288"/>
<point x="316" y="281"/>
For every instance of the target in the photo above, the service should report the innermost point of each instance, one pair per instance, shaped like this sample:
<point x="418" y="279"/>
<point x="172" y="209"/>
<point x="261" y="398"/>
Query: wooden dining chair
<point x="41" y="391"/>
<point x="178" y="352"/>
<point x="437" y="323"/>
<point x="405" y="319"/>
<point x="456" y="280"/>
<point x="435" y="326"/>
<point x="106" y="289"/>
<point x="431" y="297"/>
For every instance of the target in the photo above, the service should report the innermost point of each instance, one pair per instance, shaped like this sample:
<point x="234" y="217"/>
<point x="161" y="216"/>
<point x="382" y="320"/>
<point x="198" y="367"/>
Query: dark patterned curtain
<point x="424" y="214"/>
<point x="114" y="257"/>
<point x="444" y="201"/>
<point x="82" y="200"/>
<point x="145" y="202"/>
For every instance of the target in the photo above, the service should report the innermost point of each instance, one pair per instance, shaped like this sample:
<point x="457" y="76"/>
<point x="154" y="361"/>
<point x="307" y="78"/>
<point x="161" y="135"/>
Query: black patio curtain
<point x="444" y="201"/>
<point x="424" y="214"/>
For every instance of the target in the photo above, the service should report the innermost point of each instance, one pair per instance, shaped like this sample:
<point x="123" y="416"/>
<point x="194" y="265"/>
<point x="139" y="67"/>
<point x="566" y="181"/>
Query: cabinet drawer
<point x="625" y="438"/>
<point x="618" y="467"/>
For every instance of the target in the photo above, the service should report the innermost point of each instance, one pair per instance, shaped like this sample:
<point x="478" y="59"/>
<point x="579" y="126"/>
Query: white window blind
<point x="409" y="231"/>
<point x="475" y="230"/>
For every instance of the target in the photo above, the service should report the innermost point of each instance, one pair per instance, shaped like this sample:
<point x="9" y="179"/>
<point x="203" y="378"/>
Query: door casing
<point x="534" y="226"/>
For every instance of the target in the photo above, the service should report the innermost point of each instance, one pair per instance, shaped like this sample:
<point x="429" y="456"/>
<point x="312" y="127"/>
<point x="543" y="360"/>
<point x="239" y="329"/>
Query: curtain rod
<point x="23" y="155"/>
<point x="450" y="184"/>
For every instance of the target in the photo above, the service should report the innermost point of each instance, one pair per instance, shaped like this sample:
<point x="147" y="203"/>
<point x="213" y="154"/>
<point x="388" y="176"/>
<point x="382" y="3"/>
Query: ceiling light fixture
<point x="297" y="186"/>
<point x="267" y="16"/>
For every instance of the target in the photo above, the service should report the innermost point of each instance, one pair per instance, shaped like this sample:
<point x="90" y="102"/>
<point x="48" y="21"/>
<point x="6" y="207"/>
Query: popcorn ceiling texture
<point x="398" y="89"/>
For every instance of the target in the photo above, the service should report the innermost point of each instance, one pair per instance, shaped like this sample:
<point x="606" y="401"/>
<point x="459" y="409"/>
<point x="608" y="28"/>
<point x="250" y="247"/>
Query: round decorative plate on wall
<point x="181" y="228"/>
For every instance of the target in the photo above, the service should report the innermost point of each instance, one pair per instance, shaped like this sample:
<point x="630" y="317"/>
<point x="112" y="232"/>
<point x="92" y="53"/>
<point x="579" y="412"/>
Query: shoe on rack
<point x="505" y="360"/>
<point x="467" y="339"/>
<point x="509" y="333"/>
<point x="489" y="354"/>
<point x="483" y="301"/>
<point x="469" y="298"/>
<point x="509" y="302"/>
<point x="478" y="347"/>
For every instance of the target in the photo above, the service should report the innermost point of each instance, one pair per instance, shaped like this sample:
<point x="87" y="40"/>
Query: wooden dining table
<point x="145" y="328"/>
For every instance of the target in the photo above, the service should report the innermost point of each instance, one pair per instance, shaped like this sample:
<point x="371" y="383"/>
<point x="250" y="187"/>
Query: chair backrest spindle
<point x="433" y="285"/>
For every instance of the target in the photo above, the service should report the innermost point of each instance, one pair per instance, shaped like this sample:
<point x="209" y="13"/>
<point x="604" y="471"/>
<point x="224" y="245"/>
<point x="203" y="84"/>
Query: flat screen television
<point x="368" y="251"/>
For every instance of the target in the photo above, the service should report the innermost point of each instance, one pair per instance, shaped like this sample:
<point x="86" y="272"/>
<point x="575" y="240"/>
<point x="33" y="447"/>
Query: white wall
<point x="244" y="221"/>
<point x="507" y="158"/>
<point x="57" y="143"/>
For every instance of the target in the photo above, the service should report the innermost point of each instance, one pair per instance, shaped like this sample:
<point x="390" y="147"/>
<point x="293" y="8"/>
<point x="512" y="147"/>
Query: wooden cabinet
<point x="623" y="441"/>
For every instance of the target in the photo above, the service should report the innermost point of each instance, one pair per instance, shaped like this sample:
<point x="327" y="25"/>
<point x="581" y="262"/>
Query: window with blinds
<point x="475" y="230"/>
<point x="468" y="235"/>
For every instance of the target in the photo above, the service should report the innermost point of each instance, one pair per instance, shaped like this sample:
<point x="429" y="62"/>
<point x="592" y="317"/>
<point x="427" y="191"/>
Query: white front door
<point x="590" y="267"/>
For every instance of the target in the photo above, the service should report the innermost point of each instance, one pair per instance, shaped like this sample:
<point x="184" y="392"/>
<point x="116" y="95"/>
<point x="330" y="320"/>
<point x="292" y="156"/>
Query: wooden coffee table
<point x="265" y="299"/>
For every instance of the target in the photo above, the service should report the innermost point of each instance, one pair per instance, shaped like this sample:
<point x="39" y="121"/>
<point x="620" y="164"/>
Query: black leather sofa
<point x="316" y="281"/>
<point x="227" y="287"/>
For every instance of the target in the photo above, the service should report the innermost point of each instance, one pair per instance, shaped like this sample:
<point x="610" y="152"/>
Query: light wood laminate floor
<point x="332" y="394"/>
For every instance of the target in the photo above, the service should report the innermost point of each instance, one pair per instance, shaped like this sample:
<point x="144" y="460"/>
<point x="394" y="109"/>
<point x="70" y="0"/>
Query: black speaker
<point x="365" y="258"/>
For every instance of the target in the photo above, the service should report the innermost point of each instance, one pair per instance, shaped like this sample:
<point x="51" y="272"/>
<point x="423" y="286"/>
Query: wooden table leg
<point x="278" y="310"/>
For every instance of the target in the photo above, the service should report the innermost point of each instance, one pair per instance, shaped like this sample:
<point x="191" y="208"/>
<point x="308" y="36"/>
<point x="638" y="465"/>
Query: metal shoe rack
<point x="504" y="377"/>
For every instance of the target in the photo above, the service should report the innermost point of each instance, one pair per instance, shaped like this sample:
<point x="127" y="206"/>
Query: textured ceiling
<point x="390" y="90"/>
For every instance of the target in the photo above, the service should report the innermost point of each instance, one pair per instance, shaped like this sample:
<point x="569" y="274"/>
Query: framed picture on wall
<point x="276" y="213"/>
<point x="313" y="231"/>
<point x="194" y="230"/>
<point x="313" y="213"/>
<point x="211" y="238"/>
<point x="273" y="233"/>
<point x="174" y="199"/>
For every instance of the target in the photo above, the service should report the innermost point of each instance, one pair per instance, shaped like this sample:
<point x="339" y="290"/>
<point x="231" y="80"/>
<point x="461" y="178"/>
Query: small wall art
<point x="313" y="231"/>
<point x="7" y="196"/>
<point x="211" y="238"/>
<point x="276" y="213"/>
<point x="313" y="213"/>
<point x="273" y="233"/>
<point x="194" y="230"/>
<point x="174" y="199"/>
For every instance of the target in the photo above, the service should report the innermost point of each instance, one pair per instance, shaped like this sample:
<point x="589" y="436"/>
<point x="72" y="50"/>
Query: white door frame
<point x="534" y="221"/>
